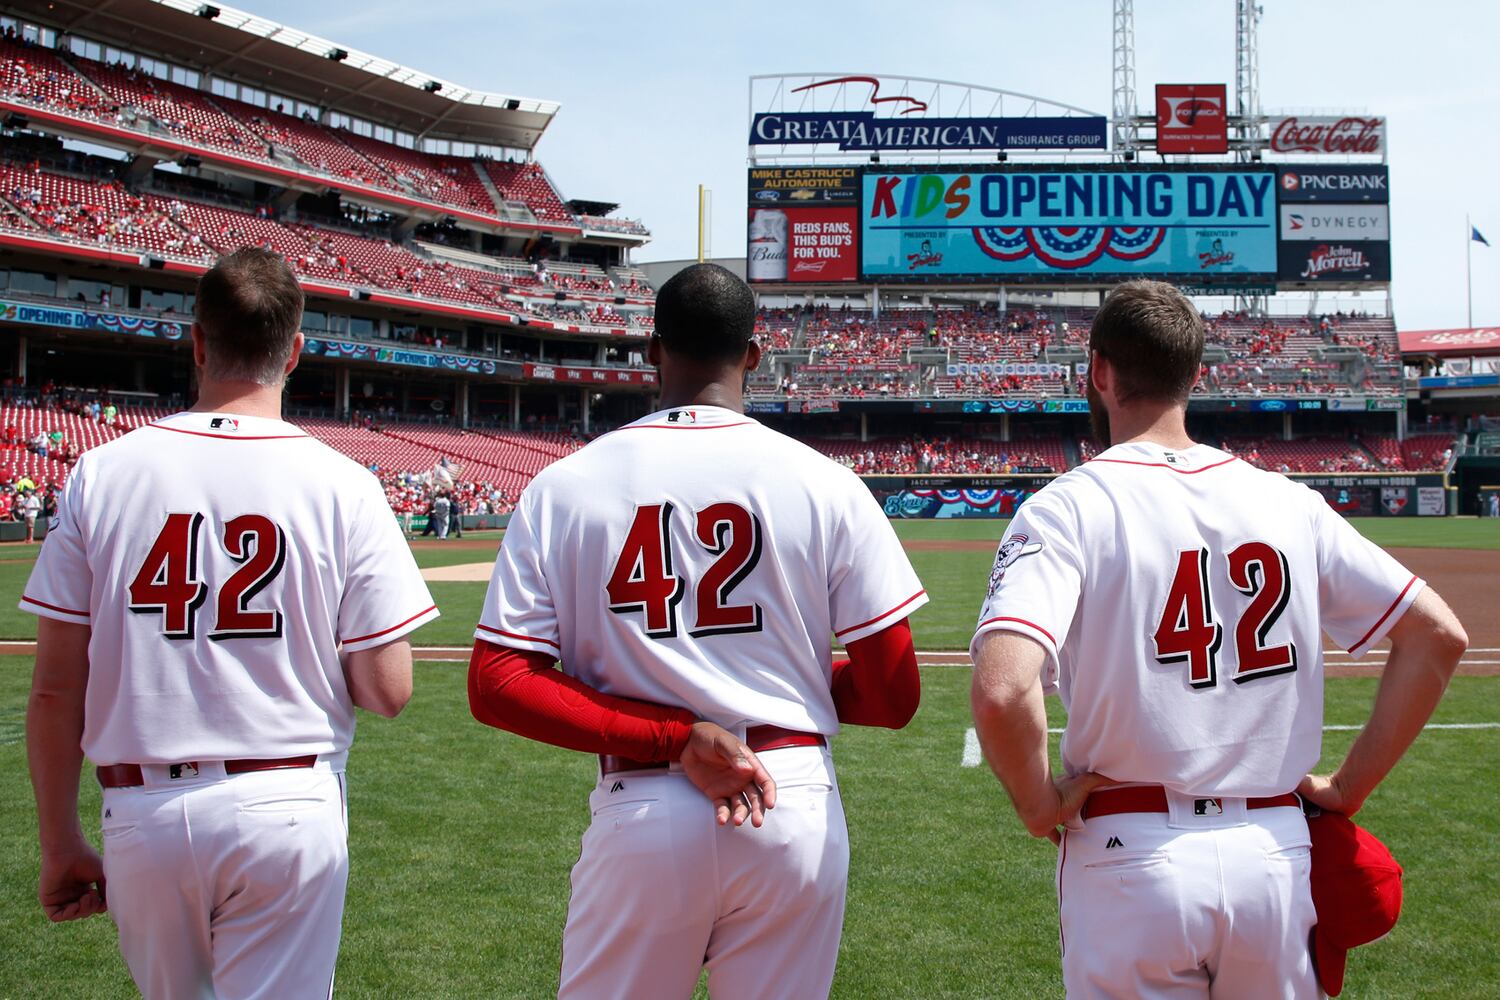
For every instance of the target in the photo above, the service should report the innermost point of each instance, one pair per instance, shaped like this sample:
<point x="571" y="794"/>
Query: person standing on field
<point x="689" y="570"/>
<point x="1176" y="598"/>
<point x="217" y="594"/>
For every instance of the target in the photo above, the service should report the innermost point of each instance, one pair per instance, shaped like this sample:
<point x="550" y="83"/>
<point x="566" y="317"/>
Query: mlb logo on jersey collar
<point x="682" y="417"/>
<point x="227" y="424"/>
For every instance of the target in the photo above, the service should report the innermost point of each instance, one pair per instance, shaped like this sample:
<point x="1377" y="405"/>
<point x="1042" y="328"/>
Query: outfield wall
<point x="946" y="497"/>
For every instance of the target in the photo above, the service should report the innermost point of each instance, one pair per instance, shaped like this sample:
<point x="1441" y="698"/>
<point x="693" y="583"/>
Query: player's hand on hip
<point x="72" y="882"/>
<point x="1325" y="792"/>
<point x="1072" y="792"/>
<point x="729" y="773"/>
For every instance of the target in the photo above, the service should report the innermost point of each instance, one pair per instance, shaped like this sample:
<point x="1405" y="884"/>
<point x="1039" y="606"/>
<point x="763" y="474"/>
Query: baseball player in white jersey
<point x="689" y="570"/>
<point x="1176" y="598"/>
<point x="194" y="593"/>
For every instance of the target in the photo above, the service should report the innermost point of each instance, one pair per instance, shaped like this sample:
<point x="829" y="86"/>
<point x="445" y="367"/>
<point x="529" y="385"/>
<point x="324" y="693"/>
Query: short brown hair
<point x="1153" y="337"/>
<point x="249" y="307"/>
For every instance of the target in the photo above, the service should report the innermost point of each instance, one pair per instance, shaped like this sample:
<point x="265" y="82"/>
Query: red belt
<point x="1153" y="799"/>
<point x="129" y="775"/>
<point x="757" y="738"/>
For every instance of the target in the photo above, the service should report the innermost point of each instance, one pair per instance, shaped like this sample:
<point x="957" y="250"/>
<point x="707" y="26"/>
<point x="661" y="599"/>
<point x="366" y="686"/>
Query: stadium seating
<point x="944" y="456"/>
<point x="97" y="213"/>
<point x="180" y="111"/>
<point x="528" y="184"/>
<point x="128" y="98"/>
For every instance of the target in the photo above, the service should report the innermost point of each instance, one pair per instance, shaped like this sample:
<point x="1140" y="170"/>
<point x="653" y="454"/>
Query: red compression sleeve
<point x="519" y="691"/>
<point x="879" y="684"/>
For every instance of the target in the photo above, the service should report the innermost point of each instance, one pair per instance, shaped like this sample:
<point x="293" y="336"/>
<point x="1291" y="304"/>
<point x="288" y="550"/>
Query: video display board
<point x="804" y="225"/>
<point x="1068" y="223"/>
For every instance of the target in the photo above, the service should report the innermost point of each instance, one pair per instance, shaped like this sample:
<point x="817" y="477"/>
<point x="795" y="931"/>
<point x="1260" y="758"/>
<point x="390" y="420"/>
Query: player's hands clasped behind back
<point x="729" y="773"/>
<point x="72" y="882"/>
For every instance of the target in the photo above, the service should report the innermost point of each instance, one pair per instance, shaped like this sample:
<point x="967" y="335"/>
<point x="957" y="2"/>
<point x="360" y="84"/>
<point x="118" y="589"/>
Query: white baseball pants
<point x="1176" y="906"/>
<point x="229" y="886"/>
<point x="660" y="890"/>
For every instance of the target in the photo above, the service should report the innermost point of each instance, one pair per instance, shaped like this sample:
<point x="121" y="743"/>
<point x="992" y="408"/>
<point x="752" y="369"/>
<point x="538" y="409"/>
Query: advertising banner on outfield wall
<point x="1329" y="134"/>
<point x="1069" y="223"/>
<point x="803" y="245"/>
<point x="1304" y="223"/>
<point x="1342" y="184"/>
<point x="1192" y="118"/>
<point x="1334" y="262"/>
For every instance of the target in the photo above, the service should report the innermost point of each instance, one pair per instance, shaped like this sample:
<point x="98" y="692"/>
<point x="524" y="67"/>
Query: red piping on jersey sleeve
<point x="879" y="685"/>
<point x="386" y="631"/>
<point x="872" y="621"/>
<point x="1388" y="611"/>
<point x="517" y="635"/>
<point x="53" y="607"/>
<point x="1019" y="621"/>
<point x="519" y="691"/>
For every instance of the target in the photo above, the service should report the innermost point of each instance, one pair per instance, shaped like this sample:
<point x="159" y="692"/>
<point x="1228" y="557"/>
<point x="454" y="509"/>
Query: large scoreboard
<point x="1224" y="226"/>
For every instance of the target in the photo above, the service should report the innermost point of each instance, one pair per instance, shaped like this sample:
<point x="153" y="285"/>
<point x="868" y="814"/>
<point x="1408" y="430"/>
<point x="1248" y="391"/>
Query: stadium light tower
<point x="1247" y="76"/>
<point x="1123" y="111"/>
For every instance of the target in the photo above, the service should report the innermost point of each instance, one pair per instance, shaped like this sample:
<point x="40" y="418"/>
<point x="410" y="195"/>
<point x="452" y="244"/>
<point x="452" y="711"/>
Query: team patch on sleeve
<point x="1011" y="549"/>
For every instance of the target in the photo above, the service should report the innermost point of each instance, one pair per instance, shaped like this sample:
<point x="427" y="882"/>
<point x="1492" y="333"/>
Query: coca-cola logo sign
<point x="1328" y="135"/>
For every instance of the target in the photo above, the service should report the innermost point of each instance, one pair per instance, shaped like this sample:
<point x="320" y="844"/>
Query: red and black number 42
<point x="170" y="581"/>
<point x="1187" y="631"/>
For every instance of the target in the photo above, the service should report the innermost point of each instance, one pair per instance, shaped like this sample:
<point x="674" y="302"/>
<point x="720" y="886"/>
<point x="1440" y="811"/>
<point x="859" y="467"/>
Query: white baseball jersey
<point x="696" y="558"/>
<point x="220" y="561"/>
<point x="1181" y="597"/>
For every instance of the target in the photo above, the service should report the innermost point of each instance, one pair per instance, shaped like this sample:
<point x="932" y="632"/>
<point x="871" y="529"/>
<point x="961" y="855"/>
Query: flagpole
<point x="1469" y="266"/>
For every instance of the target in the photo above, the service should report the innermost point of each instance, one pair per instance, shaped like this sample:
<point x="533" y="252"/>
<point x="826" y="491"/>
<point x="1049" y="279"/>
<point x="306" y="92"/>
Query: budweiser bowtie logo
<point x="1328" y="135"/>
<point x="1329" y="259"/>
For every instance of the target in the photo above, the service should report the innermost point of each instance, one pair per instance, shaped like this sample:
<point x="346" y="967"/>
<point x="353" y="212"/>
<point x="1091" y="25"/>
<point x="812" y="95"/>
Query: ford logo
<point x="1272" y="405"/>
<point x="768" y="195"/>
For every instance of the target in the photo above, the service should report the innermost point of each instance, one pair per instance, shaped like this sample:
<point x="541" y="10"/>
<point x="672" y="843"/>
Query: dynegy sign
<point x="861" y="131"/>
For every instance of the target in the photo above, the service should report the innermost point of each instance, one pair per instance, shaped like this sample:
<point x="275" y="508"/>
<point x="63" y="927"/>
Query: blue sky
<point x="654" y="93"/>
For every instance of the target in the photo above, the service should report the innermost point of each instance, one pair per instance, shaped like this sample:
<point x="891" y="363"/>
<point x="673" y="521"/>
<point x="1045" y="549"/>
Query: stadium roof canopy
<point x="221" y="41"/>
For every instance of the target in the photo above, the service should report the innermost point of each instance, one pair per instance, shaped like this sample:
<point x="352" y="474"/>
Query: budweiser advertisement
<point x="1355" y="182"/>
<point x="803" y="245"/>
<point x="1328" y="134"/>
<point x="1192" y="118"/>
<point x="1334" y="262"/>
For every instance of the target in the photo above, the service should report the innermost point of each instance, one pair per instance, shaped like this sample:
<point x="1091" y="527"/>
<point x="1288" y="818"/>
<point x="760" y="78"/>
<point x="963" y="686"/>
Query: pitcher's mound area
<point x="478" y="572"/>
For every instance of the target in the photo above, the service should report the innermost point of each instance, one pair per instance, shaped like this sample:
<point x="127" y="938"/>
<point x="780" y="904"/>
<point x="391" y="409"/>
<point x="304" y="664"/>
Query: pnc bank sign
<point x="905" y="126"/>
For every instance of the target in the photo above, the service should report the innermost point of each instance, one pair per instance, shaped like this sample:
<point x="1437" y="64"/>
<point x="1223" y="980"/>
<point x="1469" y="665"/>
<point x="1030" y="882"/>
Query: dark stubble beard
<point x="1098" y="415"/>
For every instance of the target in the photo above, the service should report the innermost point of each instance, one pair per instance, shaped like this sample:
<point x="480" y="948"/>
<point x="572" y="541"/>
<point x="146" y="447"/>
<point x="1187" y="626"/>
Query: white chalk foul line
<point x="971" y="748"/>
<point x="972" y="758"/>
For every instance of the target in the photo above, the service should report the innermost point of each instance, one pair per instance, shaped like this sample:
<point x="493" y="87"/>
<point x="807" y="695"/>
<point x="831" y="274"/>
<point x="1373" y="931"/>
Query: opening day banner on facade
<point x="1069" y="224"/>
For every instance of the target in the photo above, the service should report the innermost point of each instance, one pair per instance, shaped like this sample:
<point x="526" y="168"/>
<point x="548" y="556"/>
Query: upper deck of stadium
<point x="176" y="80"/>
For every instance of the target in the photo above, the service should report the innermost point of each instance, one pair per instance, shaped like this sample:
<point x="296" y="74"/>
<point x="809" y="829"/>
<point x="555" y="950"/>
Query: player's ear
<point x="752" y="357"/>
<point x="291" y="363"/>
<point x="653" y="350"/>
<point x="200" y="353"/>
<point x="1100" y="374"/>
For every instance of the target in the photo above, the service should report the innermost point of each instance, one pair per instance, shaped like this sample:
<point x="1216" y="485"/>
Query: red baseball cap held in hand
<point x="1356" y="889"/>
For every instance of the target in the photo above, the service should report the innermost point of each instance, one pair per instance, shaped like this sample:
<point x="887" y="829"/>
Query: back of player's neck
<point x="703" y="394"/>
<point x="1163" y="429"/>
<point x="242" y="399"/>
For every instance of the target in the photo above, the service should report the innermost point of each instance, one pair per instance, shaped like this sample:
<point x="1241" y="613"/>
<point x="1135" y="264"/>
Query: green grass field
<point x="462" y="837"/>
